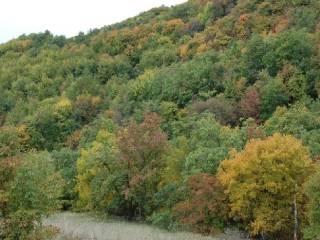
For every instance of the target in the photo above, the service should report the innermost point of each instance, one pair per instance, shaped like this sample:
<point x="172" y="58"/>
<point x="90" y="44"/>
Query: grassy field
<point x="75" y="226"/>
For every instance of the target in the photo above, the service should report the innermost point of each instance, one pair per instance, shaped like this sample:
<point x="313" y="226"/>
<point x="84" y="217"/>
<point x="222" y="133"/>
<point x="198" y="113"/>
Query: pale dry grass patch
<point x="74" y="226"/>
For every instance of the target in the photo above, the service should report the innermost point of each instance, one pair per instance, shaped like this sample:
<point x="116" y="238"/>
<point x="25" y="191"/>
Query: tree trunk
<point x="296" y="224"/>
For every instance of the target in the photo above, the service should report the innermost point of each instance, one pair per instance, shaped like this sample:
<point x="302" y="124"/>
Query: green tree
<point x="298" y="121"/>
<point x="120" y="173"/>
<point x="290" y="46"/>
<point x="273" y="94"/>
<point x="209" y="144"/>
<point x="33" y="194"/>
<point x="253" y="58"/>
<point x="160" y="57"/>
<point x="65" y="163"/>
<point x="51" y="123"/>
<point x="312" y="189"/>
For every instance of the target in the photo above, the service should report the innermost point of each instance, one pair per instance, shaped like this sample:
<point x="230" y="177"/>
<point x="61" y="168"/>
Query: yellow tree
<point x="96" y="165"/>
<point x="264" y="185"/>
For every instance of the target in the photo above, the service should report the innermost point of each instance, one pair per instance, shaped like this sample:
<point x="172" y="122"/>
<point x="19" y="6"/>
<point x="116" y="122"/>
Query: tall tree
<point x="142" y="147"/>
<point x="264" y="183"/>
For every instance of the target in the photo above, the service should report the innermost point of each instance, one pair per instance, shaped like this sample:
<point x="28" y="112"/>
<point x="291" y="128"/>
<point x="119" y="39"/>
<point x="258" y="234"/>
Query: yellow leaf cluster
<point x="262" y="180"/>
<point x="63" y="104"/>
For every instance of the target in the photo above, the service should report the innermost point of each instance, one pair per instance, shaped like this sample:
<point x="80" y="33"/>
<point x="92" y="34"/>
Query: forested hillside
<point x="201" y="116"/>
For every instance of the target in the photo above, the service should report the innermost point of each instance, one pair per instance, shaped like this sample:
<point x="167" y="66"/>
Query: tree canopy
<point x="199" y="116"/>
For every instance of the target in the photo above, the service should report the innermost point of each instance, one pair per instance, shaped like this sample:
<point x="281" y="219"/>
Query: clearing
<point x="75" y="226"/>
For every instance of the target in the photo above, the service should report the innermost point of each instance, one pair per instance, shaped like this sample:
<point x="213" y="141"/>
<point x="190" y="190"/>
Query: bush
<point x="164" y="219"/>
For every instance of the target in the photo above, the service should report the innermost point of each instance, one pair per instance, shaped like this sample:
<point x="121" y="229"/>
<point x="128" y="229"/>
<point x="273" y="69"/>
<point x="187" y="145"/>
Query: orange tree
<point x="142" y="147"/>
<point x="205" y="206"/>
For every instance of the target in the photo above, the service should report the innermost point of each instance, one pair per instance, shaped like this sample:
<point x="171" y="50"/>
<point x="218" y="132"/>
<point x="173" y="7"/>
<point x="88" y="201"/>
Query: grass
<point x="74" y="226"/>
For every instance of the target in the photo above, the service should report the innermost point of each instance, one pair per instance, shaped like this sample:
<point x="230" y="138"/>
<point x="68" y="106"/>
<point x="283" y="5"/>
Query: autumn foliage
<point x="205" y="209"/>
<point x="201" y="116"/>
<point x="142" y="147"/>
<point x="128" y="165"/>
<point x="263" y="181"/>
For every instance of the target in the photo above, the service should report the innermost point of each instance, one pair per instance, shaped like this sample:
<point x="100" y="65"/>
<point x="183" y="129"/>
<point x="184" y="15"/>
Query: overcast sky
<point x="67" y="17"/>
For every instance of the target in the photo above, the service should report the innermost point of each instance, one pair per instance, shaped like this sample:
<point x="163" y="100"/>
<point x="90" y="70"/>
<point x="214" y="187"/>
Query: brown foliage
<point x="225" y="111"/>
<point x="244" y="18"/>
<point x="73" y="140"/>
<point x="250" y="105"/>
<point x="139" y="142"/>
<point x="141" y="157"/>
<point x="206" y="206"/>
<point x="253" y="131"/>
<point x="8" y="167"/>
<point x="281" y="24"/>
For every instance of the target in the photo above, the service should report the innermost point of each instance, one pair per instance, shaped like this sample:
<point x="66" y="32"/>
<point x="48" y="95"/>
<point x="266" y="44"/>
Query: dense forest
<point x="201" y="116"/>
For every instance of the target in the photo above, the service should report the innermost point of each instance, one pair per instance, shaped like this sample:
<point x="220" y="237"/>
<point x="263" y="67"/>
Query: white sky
<point x="67" y="17"/>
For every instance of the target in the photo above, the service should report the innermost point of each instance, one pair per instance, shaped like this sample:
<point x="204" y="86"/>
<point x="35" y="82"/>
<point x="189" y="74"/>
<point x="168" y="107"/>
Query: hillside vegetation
<point x="199" y="117"/>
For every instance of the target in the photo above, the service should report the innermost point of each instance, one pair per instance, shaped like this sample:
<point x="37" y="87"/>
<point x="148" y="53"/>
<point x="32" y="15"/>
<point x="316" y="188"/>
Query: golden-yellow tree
<point x="264" y="185"/>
